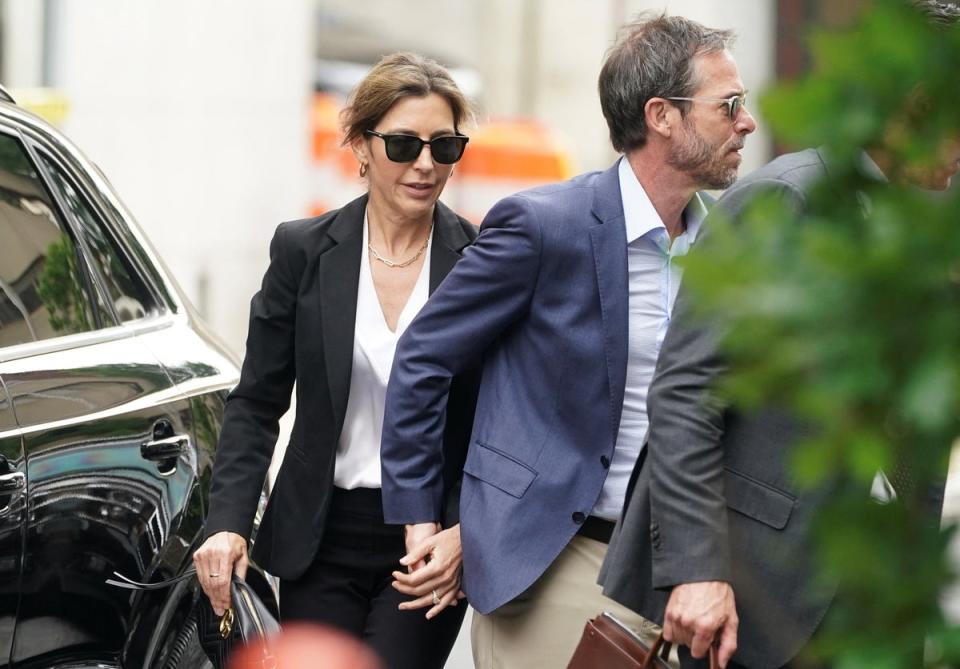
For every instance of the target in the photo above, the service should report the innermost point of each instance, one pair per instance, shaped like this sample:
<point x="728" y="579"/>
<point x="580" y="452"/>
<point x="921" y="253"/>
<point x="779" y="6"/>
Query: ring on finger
<point x="214" y="575"/>
<point x="436" y="599"/>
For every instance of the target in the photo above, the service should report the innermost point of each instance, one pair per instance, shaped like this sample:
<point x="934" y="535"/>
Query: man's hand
<point x="413" y="536"/>
<point x="437" y="584"/>
<point x="698" y="613"/>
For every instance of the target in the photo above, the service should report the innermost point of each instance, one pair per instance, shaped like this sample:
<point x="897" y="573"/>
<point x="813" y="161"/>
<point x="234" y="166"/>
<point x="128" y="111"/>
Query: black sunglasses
<point x="406" y="148"/>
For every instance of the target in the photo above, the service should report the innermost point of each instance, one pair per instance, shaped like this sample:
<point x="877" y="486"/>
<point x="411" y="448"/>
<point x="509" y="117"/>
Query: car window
<point x="129" y="294"/>
<point x="43" y="287"/>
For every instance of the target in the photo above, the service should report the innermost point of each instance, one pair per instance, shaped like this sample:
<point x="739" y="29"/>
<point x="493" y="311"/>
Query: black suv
<point x="111" y="397"/>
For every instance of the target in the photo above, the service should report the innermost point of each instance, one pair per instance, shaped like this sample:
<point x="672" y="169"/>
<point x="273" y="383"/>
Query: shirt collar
<point x="693" y="216"/>
<point x="639" y="214"/>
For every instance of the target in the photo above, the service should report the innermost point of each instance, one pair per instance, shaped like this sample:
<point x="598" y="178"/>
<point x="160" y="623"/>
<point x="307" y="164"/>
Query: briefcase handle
<point x="661" y="648"/>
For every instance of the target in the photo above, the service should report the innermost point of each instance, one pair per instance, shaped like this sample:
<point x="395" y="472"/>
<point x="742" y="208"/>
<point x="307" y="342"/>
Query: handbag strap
<point x="130" y="584"/>
<point x="662" y="648"/>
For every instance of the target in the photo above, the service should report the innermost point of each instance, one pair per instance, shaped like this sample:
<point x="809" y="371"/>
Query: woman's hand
<point x="435" y="577"/>
<point x="216" y="560"/>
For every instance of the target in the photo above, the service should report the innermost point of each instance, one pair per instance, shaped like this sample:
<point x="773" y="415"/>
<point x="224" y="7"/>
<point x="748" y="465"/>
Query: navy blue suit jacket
<point x="542" y="299"/>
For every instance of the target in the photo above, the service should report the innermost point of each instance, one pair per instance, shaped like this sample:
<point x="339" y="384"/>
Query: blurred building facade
<point x="541" y="58"/>
<point x="197" y="113"/>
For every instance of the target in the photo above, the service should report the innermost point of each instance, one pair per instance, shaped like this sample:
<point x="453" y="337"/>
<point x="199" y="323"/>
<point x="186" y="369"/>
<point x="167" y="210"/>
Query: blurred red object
<point x="303" y="646"/>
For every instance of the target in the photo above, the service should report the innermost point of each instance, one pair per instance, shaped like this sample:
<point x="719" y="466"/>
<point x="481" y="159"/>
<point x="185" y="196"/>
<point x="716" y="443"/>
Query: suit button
<point x="605" y="461"/>
<point x="578" y="517"/>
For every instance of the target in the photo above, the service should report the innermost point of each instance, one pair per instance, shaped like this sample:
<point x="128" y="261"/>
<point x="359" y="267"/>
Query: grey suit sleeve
<point x="688" y="507"/>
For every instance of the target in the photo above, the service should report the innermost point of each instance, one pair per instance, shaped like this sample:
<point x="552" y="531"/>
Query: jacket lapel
<point x="609" y="239"/>
<point x="339" y="270"/>
<point x="449" y="239"/>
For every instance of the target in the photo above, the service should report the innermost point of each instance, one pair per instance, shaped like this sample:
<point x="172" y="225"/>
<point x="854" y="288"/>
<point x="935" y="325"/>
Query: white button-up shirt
<point x="653" y="280"/>
<point x="374" y="344"/>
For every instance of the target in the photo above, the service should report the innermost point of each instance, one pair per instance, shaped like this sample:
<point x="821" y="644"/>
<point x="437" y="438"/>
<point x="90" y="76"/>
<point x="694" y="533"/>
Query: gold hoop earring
<point x="363" y="170"/>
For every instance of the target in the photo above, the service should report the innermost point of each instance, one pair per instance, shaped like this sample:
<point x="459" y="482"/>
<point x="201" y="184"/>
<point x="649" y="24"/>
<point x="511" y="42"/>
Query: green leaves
<point x="842" y="304"/>
<point x="930" y="396"/>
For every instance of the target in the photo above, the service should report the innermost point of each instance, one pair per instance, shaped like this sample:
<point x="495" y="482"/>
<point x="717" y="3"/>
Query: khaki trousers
<point x="541" y="628"/>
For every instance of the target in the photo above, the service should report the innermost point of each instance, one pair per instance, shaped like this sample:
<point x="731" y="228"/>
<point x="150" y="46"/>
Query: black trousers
<point x="348" y="587"/>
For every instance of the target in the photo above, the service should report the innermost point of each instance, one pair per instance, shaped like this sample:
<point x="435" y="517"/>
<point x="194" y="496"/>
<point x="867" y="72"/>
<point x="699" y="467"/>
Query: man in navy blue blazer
<point x="564" y="300"/>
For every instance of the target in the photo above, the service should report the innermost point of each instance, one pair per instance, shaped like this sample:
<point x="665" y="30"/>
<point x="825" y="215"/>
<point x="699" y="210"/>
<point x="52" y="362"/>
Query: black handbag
<point x="247" y="620"/>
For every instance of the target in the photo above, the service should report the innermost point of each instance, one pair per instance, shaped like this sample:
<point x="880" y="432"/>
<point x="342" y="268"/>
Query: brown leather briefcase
<point x="609" y="644"/>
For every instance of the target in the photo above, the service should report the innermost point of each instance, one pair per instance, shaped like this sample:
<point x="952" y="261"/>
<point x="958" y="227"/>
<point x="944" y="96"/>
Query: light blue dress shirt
<point x="654" y="279"/>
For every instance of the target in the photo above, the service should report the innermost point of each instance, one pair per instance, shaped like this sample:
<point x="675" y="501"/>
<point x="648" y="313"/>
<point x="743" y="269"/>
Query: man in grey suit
<point x="670" y="558"/>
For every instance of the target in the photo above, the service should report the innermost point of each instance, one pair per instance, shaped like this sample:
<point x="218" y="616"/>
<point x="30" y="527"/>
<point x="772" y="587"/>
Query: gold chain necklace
<point x="405" y="263"/>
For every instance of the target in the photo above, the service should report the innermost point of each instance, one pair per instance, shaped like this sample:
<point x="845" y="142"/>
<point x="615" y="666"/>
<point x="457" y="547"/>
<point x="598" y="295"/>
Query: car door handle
<point x="12" y="482"/>
<point x="167" y="448"/>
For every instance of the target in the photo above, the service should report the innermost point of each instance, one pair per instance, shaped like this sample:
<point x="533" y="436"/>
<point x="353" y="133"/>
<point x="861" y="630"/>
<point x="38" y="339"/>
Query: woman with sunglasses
<point x="338" y="293"/>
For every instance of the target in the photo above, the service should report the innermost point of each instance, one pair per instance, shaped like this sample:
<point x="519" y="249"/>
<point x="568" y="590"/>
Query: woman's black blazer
<point x="301" y="328"/>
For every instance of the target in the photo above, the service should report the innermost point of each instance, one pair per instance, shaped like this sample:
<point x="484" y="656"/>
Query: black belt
<point x="597" y="529"/>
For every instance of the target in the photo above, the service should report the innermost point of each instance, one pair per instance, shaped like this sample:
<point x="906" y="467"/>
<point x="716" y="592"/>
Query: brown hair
<point x="653" y="58"/>
<point x="938" y="13"/>
<point x="397" y="76"/>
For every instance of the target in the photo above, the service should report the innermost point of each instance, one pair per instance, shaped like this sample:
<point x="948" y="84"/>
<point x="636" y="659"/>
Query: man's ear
<point x="660" y="116"/>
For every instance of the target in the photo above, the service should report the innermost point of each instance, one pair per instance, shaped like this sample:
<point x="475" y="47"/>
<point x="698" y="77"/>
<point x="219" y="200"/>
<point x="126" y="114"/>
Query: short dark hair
<point x="943" y="13"/>
<point x="653" y="57"/>
<point x="397" y="76"/>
